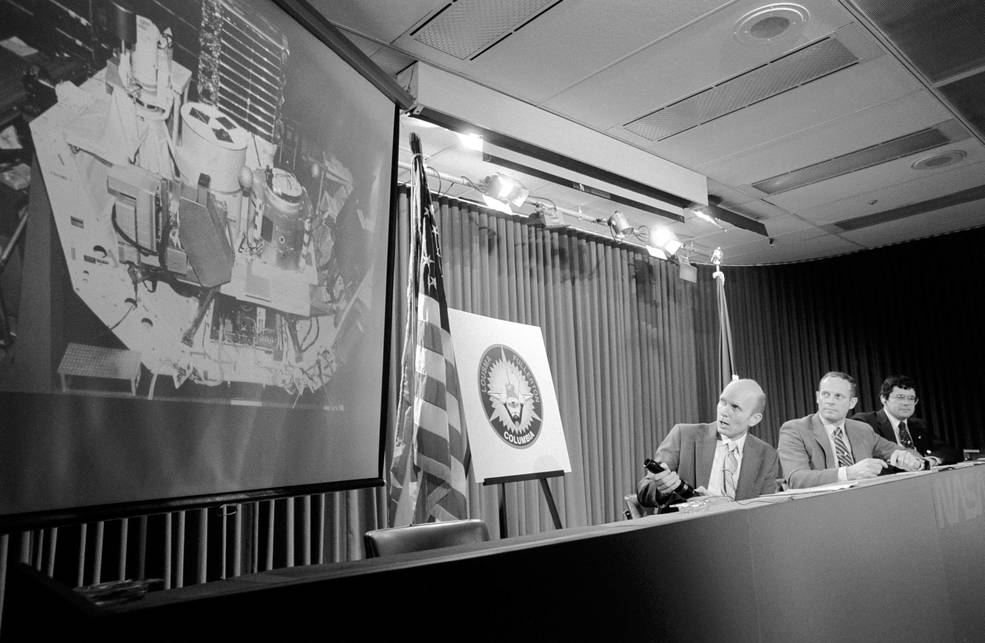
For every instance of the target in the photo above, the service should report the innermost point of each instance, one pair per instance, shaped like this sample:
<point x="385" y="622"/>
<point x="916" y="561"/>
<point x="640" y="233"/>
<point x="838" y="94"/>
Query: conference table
<point x="895" y="558"/>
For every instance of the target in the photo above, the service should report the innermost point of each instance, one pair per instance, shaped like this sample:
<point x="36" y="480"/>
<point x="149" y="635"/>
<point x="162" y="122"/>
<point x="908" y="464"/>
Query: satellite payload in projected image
<point x="196" y="212"/>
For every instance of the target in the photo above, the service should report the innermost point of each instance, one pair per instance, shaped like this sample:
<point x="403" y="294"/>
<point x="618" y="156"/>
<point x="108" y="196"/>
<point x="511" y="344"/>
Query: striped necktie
<point x="728" y="471"/>
<point x="845" y="458"/>
<point x="905" y="439"/>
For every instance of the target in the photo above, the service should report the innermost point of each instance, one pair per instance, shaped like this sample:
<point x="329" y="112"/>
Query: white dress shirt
<point x="716" y="482"/>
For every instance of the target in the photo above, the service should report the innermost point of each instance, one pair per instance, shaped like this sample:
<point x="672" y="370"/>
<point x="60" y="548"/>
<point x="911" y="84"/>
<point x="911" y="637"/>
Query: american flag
<point x="428" y="476"/>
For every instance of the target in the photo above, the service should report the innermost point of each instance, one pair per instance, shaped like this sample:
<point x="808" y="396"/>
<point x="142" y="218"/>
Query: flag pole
<point x="727" y="371"/>
<point x="429" y="472"/>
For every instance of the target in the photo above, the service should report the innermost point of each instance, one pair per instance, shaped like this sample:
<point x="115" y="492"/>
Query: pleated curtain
<point x="913" y="309"/>
<point x="634" y="349"/>
<point x="631" y="346"/>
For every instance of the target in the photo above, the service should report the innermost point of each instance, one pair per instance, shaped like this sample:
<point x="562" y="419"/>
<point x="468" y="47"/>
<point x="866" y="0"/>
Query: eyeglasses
<point x="901" y="397"/>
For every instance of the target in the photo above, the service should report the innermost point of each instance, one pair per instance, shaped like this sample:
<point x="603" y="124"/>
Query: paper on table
<point x="832" y="486"/>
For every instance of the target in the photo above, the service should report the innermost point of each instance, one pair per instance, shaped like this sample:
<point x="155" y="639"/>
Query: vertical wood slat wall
<point x="83" y="554"/>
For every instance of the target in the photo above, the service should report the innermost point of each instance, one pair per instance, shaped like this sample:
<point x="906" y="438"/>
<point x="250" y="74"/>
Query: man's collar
<point x="740" y="441"/>
<point x="892" y="420"/>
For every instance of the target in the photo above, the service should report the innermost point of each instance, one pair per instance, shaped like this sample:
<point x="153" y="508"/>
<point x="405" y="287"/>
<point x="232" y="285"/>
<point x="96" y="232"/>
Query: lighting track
<point x="581" y="187"/>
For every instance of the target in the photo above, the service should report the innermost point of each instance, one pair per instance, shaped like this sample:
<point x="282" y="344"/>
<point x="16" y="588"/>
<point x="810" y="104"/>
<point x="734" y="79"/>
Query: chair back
<point x="634" y="509"/>
<point x="423" y="536"/>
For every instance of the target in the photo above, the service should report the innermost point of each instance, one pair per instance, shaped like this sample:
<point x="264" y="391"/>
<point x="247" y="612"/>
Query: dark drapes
<point x="914" y="308"/>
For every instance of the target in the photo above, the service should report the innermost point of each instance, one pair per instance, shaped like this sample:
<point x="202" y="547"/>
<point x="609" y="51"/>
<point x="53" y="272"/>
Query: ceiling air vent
<point x="467" y="28"/>
<point x="770" y="24"/>
<point x="931" y="205"/>
<point x="946" y="132"/>
<point x="942" y="159"/>
<point x="802" y="66"/>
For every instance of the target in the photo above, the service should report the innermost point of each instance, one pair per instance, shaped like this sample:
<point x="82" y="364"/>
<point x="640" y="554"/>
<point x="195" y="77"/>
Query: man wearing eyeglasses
<point x="827" y="447"/>
<point x="895" y="421"/>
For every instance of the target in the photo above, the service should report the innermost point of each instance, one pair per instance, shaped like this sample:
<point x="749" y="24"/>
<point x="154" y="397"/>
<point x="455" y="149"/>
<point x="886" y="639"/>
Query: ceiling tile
<point x="958" y="217"/>
<point x="652" y="77"/>
<point x="789" y="248"/>
<point x="382" y="21"/>
<point x="922" y="187"/>
<point x="862" y="183"/>
<point x="842" y="94"/>
<point x="839" y="136"/>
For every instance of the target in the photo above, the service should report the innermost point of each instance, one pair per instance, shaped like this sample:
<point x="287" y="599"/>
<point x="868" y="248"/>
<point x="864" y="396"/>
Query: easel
<point x="542" y="476"/>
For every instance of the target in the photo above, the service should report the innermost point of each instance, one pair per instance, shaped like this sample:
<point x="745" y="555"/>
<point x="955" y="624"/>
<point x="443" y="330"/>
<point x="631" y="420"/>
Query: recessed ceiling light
<point x="939" y="160"/>
<point x="771" y="23"/>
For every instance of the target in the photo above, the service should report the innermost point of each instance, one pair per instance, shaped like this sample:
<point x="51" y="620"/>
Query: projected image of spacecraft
<point x="181" y="231"/>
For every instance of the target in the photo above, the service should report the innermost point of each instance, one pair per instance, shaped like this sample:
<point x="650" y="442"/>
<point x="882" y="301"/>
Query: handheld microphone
<point x="684" y="490"/>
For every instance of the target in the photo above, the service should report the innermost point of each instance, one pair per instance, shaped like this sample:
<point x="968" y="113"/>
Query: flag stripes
<point x="430" y="454"/>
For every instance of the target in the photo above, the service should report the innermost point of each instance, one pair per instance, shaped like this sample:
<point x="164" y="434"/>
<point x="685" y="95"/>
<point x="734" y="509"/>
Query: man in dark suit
<point x="896" y="423"/>
<point x="825" y="447"/>
<point x="720" y="458"/>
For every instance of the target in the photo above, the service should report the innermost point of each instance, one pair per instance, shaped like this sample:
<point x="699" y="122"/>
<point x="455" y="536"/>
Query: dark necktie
<point x="905" y="439"/>
<point x="845" y="458"/>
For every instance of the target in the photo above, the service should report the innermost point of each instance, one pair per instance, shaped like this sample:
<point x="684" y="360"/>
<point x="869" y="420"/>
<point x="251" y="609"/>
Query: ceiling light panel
<point x="466" y="28"/>
<point x="803" y="66"/>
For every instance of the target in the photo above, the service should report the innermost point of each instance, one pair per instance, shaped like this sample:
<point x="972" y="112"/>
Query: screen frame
<point x="19" y="403"/>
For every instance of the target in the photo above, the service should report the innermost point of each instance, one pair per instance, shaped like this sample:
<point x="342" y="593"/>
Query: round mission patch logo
<point x="510" y="396"/>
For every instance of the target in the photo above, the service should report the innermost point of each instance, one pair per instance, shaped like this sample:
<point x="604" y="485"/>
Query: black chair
<point x="423" y="536"/>
<point x="634" y="509"/>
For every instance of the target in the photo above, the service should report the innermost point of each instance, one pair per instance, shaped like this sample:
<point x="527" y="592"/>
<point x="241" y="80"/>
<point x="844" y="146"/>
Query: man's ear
<point x="854" y="401"/>
<point x="755" y="419"/>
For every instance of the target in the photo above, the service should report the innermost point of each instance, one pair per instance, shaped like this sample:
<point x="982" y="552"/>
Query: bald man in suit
<point x="825" y="447"/>
<point x="719" y="458"/>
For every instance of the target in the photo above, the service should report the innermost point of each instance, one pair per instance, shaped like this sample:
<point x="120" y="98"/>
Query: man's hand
<point x="906" y="460"/>
<point x="867" y="468"/>
<point x="666" y="481"/>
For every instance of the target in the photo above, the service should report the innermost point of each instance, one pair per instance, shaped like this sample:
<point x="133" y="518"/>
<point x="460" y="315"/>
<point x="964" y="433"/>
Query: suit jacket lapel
<point x="704" y="452"/>
<point x="751" y="457"/>
<point x="885" y="427"/>
<point x="855" y="441"/>
<point x="822" y="439"/>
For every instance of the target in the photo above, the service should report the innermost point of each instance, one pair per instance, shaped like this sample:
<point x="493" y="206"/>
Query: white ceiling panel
<point x="656" y="76"/>
<point x="830" y="139"/>
<point x="895" y="174"/>
<point x="381" y="21"/>
<point x="957" y="217"/>
<point x="792" y="247"/>
<point x="838" y="95"/>
<point x="779" y="226"/>
<point x="570" y="43"/>
<point x="927" y="184"/>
